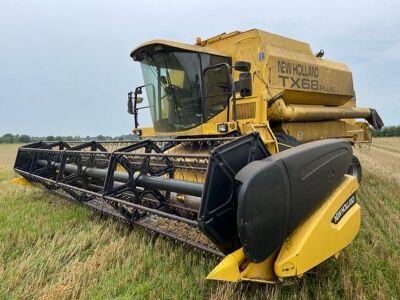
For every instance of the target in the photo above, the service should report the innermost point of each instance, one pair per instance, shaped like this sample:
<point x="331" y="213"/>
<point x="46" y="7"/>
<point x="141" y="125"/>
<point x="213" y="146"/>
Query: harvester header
<point x="249" y="157"/>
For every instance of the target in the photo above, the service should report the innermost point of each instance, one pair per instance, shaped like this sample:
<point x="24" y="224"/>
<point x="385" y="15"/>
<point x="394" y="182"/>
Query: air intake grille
<point x="246" y="110"/>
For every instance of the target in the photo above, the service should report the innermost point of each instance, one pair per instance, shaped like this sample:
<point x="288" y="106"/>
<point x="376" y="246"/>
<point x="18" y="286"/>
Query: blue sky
<point x="65" y="67"/>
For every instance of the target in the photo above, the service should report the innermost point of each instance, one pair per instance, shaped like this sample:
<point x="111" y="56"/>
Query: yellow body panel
<point x="314" y="241"/>
<point x="231" y="269"/>
<point x="282" y="69"/>
<point x="320" y="81"/>
<point x="318" y="238"/>
<point x="204" y="129"/>
<point x="311" y="131"/>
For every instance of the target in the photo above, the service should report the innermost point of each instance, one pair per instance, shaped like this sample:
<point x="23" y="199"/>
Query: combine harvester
<point x="249" y="157"/>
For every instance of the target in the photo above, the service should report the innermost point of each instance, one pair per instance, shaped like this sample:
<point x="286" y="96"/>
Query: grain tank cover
<point x="288" y="66"/>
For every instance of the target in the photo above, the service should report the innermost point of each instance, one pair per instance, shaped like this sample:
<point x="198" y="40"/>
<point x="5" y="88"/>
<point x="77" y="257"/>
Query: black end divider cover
<point x="276" y="194"/>
<point x="218" y="211"/>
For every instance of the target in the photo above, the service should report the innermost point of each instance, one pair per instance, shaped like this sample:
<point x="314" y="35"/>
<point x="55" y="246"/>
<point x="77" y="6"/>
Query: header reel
<point x="224" y="194"/>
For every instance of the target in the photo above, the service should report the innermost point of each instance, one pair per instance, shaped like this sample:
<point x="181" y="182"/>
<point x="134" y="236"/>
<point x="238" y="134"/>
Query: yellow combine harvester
<point x="249" y="157"/>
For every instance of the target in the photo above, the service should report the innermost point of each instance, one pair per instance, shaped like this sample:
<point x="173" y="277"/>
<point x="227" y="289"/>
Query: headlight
<point x="222" y="127"/>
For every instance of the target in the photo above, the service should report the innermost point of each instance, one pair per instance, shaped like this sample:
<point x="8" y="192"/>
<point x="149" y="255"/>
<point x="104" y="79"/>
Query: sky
<point x="65" y="67"/>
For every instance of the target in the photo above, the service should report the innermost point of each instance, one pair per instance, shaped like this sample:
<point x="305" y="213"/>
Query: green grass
<point x="53" y="249"/>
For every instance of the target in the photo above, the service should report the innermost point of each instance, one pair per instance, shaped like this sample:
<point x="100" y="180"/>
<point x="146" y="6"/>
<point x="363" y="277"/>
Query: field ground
<point x="53" y="249"/>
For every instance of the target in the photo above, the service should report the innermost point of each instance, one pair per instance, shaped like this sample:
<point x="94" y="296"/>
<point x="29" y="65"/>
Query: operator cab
<point x="180" y="91"/>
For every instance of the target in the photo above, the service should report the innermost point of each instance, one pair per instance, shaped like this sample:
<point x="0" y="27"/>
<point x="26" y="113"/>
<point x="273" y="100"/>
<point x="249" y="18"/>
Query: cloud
<point x="65" y="65"/>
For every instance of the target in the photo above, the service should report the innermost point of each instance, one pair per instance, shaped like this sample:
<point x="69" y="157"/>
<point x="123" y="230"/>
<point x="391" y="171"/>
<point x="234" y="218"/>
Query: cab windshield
<point x="174" y="86"/>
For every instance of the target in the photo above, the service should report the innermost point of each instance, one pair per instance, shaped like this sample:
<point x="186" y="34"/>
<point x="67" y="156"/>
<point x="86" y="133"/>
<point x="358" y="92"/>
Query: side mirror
<point x="242" y="66"/>
<point x="130" y="103"/>
<point x="133" y="100"/>
<point x="244" y="85"/>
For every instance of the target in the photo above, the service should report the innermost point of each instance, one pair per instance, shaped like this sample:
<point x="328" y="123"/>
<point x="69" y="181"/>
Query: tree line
<point x="9" y="138"/>
<point x="387" y="131"/>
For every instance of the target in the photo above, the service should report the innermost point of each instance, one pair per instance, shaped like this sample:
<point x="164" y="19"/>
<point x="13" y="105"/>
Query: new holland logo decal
<point x="344" y="209"/>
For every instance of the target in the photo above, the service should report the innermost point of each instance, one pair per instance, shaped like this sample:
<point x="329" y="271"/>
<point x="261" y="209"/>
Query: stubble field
<point x="53" y="249"/>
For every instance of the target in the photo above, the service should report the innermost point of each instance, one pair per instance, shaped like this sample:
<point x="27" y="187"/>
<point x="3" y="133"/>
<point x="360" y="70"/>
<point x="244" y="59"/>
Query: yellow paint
<point x="279" y="54"/>
<point x="265" y="132"/>
<point x="314" y="241"/>
<point x="311" y="131"/>
<point x="234" y="268"/>
<point x="318" y="239"/>
<point x="247" y="46"/>
<point x="20" y="181"/>
<point x="205" y="129"/>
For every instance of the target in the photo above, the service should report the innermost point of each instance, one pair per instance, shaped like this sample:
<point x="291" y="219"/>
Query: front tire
<point x="355" y="168"/>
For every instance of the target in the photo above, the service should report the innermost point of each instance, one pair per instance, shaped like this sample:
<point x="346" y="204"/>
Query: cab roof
<point x="160" y="45"/>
